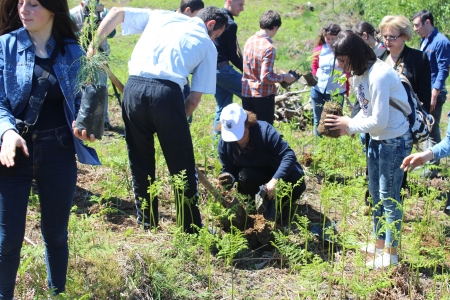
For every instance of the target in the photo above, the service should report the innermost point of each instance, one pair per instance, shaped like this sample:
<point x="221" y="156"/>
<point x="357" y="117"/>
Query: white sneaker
<point x="370" y="248"/>
<point x="383" y="261"/>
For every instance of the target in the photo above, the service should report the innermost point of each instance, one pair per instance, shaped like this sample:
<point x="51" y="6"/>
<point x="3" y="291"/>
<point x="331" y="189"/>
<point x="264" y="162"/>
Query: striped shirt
<point x="258" y="78"/>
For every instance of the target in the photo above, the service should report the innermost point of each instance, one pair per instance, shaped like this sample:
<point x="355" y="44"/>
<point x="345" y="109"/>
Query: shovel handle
<point x="205" y="182"/>
<point x="115" y="80"/>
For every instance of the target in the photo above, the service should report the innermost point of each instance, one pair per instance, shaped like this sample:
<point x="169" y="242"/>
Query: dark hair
<point x="63" y="25"/>
<point x="424" y="15"/>
<point x="366" y="27"/>
<point x="194" y="5"/>
<point x="359" y="54"/>
<point x="213" y="13"/>
<point x="269" y="20"/>
<point x="252" y="120"/>
<point x="332" y="29"/>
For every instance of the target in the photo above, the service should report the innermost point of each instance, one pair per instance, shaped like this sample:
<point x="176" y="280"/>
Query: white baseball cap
<point x="233" y="119"/>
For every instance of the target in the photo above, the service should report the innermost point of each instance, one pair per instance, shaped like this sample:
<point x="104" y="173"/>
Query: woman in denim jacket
<point x="376" y="84"/>
<point x="30" y="32"/>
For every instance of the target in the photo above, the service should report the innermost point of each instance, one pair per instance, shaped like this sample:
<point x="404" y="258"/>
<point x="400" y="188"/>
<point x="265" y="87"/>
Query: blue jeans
<point x="385" y="180"/>
<point x="229" y="83"/>
<point x="52" y="165"/>
<point x="318" y="100"/>
<point x="435" y="134"/>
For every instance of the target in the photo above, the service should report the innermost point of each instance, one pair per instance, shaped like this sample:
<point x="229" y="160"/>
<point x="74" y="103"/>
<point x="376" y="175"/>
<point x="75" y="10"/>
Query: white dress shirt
<point x="171" y="47"/>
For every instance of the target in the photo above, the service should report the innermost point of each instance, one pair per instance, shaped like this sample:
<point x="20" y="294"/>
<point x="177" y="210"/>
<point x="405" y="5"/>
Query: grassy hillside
<point x="113" y="258"/>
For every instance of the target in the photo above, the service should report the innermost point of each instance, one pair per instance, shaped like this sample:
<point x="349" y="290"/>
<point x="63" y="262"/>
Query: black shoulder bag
<point x="37" y="98"/>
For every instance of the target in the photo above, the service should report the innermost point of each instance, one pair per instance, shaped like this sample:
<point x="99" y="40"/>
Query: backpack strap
<point x="39" y="93"/>
<point x="409" y="92"/>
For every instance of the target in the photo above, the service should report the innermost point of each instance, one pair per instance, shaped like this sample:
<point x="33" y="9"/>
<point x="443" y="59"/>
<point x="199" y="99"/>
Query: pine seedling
<point x="89" y="41"/>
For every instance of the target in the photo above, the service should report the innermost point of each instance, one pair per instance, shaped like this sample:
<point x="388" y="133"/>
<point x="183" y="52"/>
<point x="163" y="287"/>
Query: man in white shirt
<point x="171" y="47"/>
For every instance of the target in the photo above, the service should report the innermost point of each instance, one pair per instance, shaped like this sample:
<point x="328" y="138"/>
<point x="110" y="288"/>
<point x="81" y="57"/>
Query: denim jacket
<point x="16" y="70"/>
<point x="442" y="149"/>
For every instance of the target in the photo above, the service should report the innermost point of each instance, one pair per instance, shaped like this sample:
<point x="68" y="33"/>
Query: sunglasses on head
<point x="332" y="31"/>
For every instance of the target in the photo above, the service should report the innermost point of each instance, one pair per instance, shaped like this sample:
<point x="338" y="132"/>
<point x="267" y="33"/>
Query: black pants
<point x="250" y="179"/>
<point x="263" y="107"/>
<point x="157" y="106"/>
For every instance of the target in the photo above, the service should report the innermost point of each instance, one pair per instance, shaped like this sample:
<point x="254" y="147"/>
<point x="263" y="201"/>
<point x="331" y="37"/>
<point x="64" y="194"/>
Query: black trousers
<point x="157" y="106"/>
<point x="250" y="179"/>
<point x="263" y="107"/>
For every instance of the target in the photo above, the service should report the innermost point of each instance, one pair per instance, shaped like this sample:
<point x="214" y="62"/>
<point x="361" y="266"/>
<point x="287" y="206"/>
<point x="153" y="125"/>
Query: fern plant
<point x="290" y="252"/>
<point x="230" y="244"/>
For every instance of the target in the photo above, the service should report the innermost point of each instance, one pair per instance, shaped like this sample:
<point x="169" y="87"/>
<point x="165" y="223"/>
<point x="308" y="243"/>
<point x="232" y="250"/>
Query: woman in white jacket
<point x="376" y="84"/>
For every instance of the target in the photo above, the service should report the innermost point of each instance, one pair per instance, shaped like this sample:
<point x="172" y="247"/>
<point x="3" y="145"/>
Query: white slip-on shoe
<point x="383" y="261"/>
<point x="370" y="248"/>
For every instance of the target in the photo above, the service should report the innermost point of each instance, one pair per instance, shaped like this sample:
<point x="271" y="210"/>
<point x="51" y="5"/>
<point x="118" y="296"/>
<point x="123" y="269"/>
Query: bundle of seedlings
<point x="92" y="79"/>
<point x="332" y="107"/>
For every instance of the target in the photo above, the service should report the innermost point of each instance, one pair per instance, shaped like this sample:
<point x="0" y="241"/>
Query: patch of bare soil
<point x="260" y="233"/>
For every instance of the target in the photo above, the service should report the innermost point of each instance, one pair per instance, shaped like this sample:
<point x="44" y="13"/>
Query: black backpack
<point x="420" y="122"/>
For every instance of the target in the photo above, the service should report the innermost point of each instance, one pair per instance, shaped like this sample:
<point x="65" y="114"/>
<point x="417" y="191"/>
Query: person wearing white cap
<point x="253" y="153"/>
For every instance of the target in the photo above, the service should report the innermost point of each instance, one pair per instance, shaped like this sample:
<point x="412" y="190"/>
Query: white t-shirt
<point x="171" y="47"/>
<point x="373" y="90"/>
<point x="325" y="82"/>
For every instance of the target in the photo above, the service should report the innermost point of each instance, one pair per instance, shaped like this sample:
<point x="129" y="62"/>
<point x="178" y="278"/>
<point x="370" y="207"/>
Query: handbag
<point x="37" y="98"/>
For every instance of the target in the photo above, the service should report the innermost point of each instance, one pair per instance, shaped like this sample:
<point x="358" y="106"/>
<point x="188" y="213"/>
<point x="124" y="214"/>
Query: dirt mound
<point x="260" y="233"/>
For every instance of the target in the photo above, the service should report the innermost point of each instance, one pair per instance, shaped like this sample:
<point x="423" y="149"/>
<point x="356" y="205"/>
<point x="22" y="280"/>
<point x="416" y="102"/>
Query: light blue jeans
<point x="385" y="180"/>
<point x="229" y="83"/>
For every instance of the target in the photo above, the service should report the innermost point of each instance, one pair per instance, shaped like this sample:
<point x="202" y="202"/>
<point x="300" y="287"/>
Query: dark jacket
<point x="270" y="145"/>
<point x="417" y="70"/>
<point x="227" y="44"/>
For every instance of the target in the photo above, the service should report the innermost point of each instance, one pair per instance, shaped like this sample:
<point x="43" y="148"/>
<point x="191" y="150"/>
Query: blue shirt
<point x="437" y="47"/>
<point x="442" y="149"/>
<point x="171" y="47"/>
<point x="17" y="60"/>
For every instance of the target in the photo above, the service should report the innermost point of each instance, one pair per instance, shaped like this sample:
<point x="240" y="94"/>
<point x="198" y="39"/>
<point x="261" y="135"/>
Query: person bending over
<point x="253" y="153"/>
